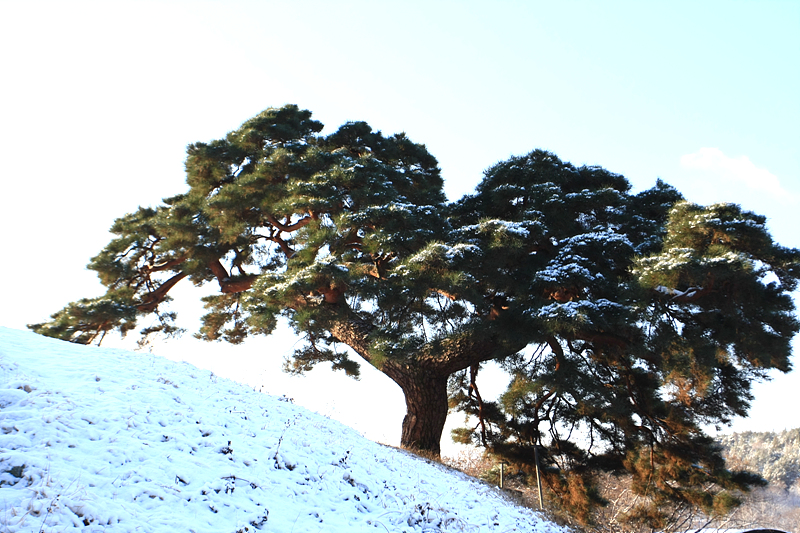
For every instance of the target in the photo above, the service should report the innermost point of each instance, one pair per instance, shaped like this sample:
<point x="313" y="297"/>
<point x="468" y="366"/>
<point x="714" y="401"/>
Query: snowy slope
<point x="107" y="440"/>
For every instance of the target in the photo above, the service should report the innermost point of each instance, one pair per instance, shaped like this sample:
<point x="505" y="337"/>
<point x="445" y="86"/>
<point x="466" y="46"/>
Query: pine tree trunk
<point x="426" y="410"/>
<point x="423" y="378"/>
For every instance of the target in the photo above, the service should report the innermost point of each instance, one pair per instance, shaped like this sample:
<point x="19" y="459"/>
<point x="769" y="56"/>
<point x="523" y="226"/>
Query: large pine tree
<point x="342" y="234"/>
<point x="627" y="319"/>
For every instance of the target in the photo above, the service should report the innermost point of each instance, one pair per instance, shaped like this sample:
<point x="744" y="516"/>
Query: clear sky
<point x="98" y="101"/>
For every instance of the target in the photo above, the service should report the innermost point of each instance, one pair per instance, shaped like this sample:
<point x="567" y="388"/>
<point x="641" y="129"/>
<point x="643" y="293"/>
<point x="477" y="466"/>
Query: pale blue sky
<point x="100" y="99"/>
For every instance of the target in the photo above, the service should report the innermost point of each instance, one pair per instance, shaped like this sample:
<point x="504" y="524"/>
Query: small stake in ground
<point x="502" y="472"/>
<point x="538" y="479"/>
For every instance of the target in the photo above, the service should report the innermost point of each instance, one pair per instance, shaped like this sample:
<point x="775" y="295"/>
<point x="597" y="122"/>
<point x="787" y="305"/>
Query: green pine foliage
<point x="90" y="319"/>
<point x="648" y="317"/>
<point x="624" y="321"/>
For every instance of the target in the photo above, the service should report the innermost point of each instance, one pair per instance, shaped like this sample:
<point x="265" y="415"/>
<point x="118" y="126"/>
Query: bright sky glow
<point x="740" y="169"/>
<point x="100" y="99"/>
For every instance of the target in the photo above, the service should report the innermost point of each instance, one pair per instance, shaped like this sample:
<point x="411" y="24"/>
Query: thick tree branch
<point x="285" y="248"/>
<point x="380" y="261"/>
<point x="604" y="338"/>
<point x="354" y="332"/>
<point x="557" y="350"/>
<point x="447" y="356"/>
<point x="229" y="285"/>
<point x="165" y="265"/>
<point x="439" y="358"/>
<point x="499" y="304"/>
<point x="446" y="294"/>
<point x="157" y="296"/>
<point x="290" y="227"/>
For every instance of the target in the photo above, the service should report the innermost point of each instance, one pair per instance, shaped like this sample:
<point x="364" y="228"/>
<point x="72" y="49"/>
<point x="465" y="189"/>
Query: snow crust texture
<point x="107" y="440"/>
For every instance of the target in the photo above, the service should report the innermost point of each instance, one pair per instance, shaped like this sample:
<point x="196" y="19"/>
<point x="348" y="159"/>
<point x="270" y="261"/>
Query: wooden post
<point x="502" y="472"/>
<point x="538" y="479"/>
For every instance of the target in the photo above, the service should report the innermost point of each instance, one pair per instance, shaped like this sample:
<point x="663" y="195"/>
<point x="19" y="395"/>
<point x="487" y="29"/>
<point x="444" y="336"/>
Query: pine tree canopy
<point x="626" y="322"/>
<point x="648" y="317"/>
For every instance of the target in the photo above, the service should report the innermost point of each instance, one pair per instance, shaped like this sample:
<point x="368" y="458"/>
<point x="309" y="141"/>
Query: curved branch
<point x="379" y="261"/>
<point x="473" y="387"/>
<point x="354" y="332"/>
<point x="166" y="265"/>
<point x="285" y="248"/>
<point x="446" y="294"/>
<point x="291" y="227"/>
<point x="157" y="296"/>
<point x="441" y="357"/>
<point x="446" y="356"/>
<point x="604" y="338"/>
<point x="557" y="350"/>
<point x="228" y="285"/>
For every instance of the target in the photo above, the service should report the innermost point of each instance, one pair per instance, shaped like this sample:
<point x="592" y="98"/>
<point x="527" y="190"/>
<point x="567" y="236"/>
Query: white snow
<point x="519" y="229"/>
<point x="675" y="293"/>
<point x="577" y="309"/>
<point x="98" y="439"/>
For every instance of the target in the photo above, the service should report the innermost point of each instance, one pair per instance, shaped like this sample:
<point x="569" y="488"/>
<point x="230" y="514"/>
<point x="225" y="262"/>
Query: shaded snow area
<point x="97" y="440"/>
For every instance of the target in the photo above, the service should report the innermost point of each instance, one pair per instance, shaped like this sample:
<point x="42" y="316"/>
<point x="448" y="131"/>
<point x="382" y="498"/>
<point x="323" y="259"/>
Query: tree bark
<point x="423" y="377"/>
<point x="426" y="410"/>
<point x="228" y="285"/>
<point x="157" y="296"/>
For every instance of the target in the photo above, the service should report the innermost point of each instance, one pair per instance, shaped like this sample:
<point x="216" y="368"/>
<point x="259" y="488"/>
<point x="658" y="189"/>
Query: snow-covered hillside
<point x="107" y="440"/>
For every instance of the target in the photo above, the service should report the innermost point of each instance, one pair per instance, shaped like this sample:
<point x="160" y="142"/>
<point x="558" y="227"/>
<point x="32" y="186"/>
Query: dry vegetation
<point x="775" y="456"/>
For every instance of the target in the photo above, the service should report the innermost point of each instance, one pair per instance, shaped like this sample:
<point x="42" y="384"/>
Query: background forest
<point x="776" y="456"/>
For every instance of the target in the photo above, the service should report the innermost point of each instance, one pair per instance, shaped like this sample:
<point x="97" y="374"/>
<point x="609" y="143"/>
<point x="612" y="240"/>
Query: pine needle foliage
<point x="624" y="321"/>
<point x="647" y="317"/>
